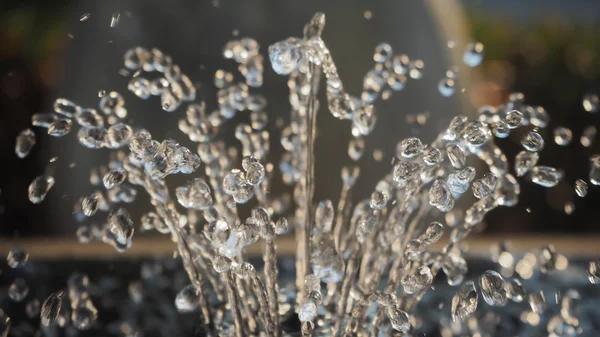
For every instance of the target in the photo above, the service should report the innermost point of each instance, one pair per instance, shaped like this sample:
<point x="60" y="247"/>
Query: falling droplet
<point x="525" y="161"/>
<point x="581" y="188"/>
<point x="25" y="142"/>
<point x="433" y="233"/>
<point x="590" y="102"/>
<point x="114" y="20"/>
<point x="92" y="138"/>
<point x="473" y="54"/>
<point x="17" y="258"/>
<point x="562" y="136"/>
<point x="594" y="272"/>
<point x="51" y="308"/>
<point x="255" y="173"/>
<point x="114" y="177"/>
<point x="546" y="176"/>
<point x="533" y="142"/>
<point x="464" y="303"/>
<point x="195" y="194"/>
<point x="440" y="196"/>
<point x="221" y="263"/>
<point x="595" y="169"/>
<point x="65" y="107"/>
<point x="457" y="156"/>
<point x="187" y="299"/>
<point x="446" y="87"/>
<point x="493" y="288"/>
<point x="60" y="127"/>
<point x="18" y="290"/>
<point x="89" y="204"/>
<point x="588" y="135"/>
<point x="409" y="148"/>
<point x="514" y="119"/>
<point x="4" y="324"/>
<point x="399" y="319"/>
<point x="284" y="56"/>
<point x="39" y="187"/>
<point x="514" y="290"/>
<point x="85" y="17"/>
<point x="84" y="314"/>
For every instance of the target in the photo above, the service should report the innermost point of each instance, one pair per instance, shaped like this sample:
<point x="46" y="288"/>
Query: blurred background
<point x="547" y="49"/>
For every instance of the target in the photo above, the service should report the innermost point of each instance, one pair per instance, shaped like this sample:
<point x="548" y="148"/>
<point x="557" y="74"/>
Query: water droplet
<point x="581" y="188"/>
<point x="464" y="303"/>
<point x="119" y="230"/>
<point x="399" y="319"/>
<point x="383" y="53"/>
<point x="195" y="194"/>
<point x="485" y="186"/>
<point x="493" y="288"/>
<point x="43" y="120"/>
<point x="89" y="204"/>
<point x="514" y="119"/>
<point x="114" y="177"/>
<point x="440" y="196"/>
<point x="457" y="156"/>
<point x="421" y="279"/>
<point x="113" y="104"/>
<point x="594" y="272"/>
<point x="17" y="258"/>
<point x="538" y="117"/>
<point x="32" y="309"/>
<point x="409" y="148"/>
<point x="324" y="215"/>
<point x="569" y="208"/>
<point x="65" y="107"/>
<point x="415" y="69"/>
<point x="595" y="169"/>
<point x="368" y="14"/>
<point x="84" y="315"/>
<point x="537" y="303"/>
<point x="85" y="16"/>
<point x="308" y="311"/>
<point x="525" y="161"/>
<point x="588" y="136"/>
<point x="514" y="290"/>
<point x="5" y="324"/>
<point x="39" y="187"/>
<point x="51" y="308"/>
<point x="140" y="87"/>
<point x="532" y="141"/>
<point x="281" y="226"/>
<point x="284" y="56"/>
<point x="432" y="156"/>
<point x="473" y="54"/>
<point x="546" y="176"/>
<point x="187" y="300"/>
<point x="255" y="173"/>
<point x="60" y="127"/>
<point x="114" y="20"/>
<point x="433" y="233"/>
<point x="446" y="87"/>
<point x="356" y="148"/>
<point x="562" y="136"/>
<point x="221" y="263"/>
<point x="404" y="171"/>
<point x="24" y="143"/>
<point x="501" y="129"/>
<point x="477" y="133"/>
<point x="18" y="290"/>
<point x="590" y="102"/>
<point x="92" y="138"/>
